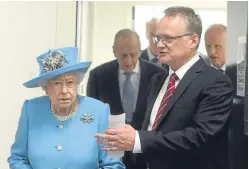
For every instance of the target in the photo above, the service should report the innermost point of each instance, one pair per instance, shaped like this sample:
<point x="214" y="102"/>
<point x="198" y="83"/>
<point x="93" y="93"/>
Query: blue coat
<point x="43" y="142"/>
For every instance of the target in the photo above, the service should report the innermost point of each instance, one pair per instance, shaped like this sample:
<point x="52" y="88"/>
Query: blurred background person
<point x="215" y="42"/>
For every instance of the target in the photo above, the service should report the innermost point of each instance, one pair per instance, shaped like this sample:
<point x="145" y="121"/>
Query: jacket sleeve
<point x="104" y="161"/>
<point x="92" y="87"/>
<point x="212" y="115"/>
<point x="19" y="149"/>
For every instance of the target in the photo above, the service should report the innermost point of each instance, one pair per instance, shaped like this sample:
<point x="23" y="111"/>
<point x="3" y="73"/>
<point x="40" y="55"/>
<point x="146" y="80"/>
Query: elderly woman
<point x="57" y="131"/>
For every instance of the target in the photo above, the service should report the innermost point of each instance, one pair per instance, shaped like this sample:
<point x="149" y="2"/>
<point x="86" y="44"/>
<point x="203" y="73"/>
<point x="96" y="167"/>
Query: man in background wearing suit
<point x="150" y="53"/>
<point x="215" y="42"/>
<point x="215" y="39"/>
<point x="188" y="109"/>
<point x="123" y="83"/>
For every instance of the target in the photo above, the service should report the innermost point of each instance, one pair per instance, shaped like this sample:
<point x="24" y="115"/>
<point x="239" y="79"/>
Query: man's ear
<point x="195" y="41"/>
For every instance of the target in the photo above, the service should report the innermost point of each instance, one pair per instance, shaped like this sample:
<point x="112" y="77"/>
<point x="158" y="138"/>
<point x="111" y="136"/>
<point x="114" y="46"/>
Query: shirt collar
<point x="135" y="70"/>
<point x="222" y="68"/>
<point x="182" y="70"/>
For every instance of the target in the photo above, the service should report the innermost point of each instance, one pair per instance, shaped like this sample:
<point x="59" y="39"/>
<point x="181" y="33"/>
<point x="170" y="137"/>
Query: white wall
<point x="104" y="19"/>
<point x="27" y="30"/>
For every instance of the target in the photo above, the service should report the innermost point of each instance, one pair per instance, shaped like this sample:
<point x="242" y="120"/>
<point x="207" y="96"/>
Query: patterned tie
<point x="128" y="97"/>
<point x="170" y="90"/>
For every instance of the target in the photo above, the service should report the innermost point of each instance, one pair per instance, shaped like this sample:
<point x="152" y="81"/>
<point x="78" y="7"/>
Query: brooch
<point x="87" y="118"/>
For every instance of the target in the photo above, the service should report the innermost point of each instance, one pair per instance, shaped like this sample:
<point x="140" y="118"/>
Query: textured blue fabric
<point x="41" y="142"/>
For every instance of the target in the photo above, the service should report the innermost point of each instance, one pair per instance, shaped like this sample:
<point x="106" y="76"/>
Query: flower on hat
<point x="55" y="59"/>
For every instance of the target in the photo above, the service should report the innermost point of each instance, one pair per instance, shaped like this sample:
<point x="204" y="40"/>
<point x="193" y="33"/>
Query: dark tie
<point x="170" y="90"/>
<point x="155" y="60"/>
<point x="128" y="97"/>
<point x="222" y="70"/>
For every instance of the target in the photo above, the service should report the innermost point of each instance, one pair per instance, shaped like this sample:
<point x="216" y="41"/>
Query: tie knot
<point x="128" y="75"/>
<point x="174" y="77"/>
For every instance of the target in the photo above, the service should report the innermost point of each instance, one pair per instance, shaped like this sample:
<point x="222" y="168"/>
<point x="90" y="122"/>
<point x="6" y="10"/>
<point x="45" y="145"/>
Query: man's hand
<point x="117" y="139"/>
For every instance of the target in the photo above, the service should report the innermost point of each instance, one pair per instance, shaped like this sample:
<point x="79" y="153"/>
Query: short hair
<point x="79" y="78"/>
<point x="126" y="32"/>
<point x="152" y="20"/>
<point x="193" y="20"/>
<point x="149" y="24"/>
<point x="216" y="26"/>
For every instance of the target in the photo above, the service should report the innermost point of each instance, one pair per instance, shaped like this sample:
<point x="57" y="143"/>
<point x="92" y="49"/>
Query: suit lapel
<point x="144" y="54"/>
<point x="190" y="75"/>
<point x="141" y="91"/>
<point x="155" y="88"/>
<point x="114" y="89"/>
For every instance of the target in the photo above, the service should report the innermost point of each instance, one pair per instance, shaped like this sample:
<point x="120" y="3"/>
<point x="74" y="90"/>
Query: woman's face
<point x="62" y="91"/>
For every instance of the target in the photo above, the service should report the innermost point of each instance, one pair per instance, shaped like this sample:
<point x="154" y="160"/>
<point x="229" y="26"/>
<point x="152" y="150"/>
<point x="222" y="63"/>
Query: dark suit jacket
<point x="103" y="84"/>
<point x="205" y="58"/>
<point x="145" y="56"/>
<point x="193" y="130"/>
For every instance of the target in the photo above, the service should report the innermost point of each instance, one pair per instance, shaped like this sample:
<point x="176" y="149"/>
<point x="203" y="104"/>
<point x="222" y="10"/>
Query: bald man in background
<point x="215" y="42"/>
<point x="150" y="53"/>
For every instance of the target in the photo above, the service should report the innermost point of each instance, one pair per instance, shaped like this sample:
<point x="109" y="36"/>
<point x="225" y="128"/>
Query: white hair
<point x="79" y="78"/>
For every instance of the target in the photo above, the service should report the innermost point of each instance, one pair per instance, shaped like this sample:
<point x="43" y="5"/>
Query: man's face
<point x="150" y="32"/>
<point x="175" y="51"/>
<point x="127" y="51"/>
<point x="215" y="41"/>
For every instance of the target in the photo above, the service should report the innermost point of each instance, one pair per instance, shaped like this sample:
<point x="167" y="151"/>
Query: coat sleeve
<point x="212" y="115"/>
<point x="19" y="149"/>
<point x="104" y="161"/>
<point x="92" y="87"/>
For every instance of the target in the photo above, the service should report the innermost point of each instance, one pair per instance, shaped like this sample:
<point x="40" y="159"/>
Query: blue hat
<point x="57" y="62"/>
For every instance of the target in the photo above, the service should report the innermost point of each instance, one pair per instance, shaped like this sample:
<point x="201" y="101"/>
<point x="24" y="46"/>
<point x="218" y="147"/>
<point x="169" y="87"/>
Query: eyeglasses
<point x="59" y="84"/>
<point x="168" y="39"/>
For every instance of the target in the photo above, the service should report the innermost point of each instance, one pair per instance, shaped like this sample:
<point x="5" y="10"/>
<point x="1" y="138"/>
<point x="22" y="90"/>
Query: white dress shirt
<point x="135" y="80"/>
<point x="222" y="68"/>
<point x="180" y="73"/>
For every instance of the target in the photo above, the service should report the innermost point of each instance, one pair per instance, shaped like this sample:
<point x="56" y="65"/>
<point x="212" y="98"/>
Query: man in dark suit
<point x="108" y="82"/>
<point x="215" y="42"/>
<point x="186" y="125"/>
<point x="150" y="53"/>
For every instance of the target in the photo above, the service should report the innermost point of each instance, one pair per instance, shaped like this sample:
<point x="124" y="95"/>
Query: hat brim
<point x="37" y="81"/>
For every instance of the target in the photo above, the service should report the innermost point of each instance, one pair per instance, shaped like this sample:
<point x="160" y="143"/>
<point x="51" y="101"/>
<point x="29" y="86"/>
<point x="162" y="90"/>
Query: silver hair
<point x="194" y="24"/>
<point x="79" y="78"/>
<point x="149" y="24"/>
<point x="126" y="32"/>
